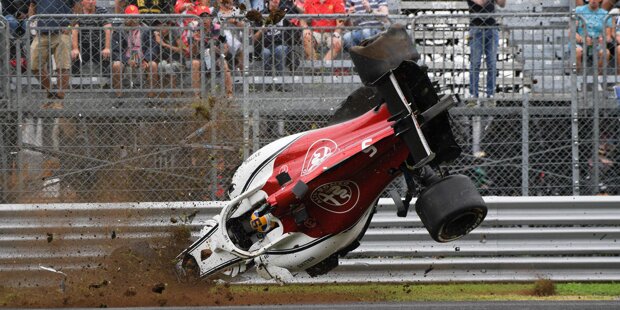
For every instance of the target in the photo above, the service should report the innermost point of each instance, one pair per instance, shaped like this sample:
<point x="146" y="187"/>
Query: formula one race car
<point x="303" y="201"/>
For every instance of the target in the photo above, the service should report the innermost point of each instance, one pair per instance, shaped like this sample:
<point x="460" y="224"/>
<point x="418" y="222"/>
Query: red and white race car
<point x="303" y="201"/>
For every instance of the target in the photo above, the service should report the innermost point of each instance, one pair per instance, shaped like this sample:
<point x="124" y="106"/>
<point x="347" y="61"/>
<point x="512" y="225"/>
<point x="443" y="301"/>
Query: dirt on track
<point x="142" y="274"/>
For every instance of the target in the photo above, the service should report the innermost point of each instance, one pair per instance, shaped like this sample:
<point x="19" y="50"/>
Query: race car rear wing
<point x="388" y="62"/>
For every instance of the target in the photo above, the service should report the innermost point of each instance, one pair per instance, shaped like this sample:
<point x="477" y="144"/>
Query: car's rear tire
<point x="451" y="208"/>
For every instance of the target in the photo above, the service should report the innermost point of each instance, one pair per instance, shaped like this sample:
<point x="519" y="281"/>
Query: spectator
<point x="276" y="42"/>
<point x="595" y="18"/>
<point x="16" y="14"/>
<point x="232" y="27"/>
<point x="323" y="31"/>
<point x="484" y="38"/>
<point x="613" y="47"/>
<point x="53" y="37"/>
<point x="87" y="42"/>
<point x="183" y="7"/>
<point x="186" y="7"/>
<point x="145" y="6"/>
<point x="134" y="46"/>
<point x="365" y="27"/>
<point x="190" y="42"/>
<point x="168" y="39"/>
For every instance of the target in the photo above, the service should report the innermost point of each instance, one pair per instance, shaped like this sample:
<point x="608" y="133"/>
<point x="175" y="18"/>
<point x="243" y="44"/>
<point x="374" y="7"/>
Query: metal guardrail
<point x="522" y="239"/>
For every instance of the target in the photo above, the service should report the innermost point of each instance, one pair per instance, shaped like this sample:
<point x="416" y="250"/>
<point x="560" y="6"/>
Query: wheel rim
<point x="460" y="225"/>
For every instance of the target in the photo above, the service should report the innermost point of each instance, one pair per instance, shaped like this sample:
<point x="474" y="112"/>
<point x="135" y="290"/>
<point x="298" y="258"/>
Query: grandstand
<point x="533" y="54"/>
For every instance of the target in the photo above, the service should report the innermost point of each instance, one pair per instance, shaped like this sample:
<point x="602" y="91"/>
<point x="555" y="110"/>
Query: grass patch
<point x="592" y="289"/>
<point x="446" y="292"/>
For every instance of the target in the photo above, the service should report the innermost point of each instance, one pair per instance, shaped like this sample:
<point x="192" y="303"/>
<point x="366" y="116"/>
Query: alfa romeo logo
<point x="318" y="152"/>
<point x="336" y="197"/>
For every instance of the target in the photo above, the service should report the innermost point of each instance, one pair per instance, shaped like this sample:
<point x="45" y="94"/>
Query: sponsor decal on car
<point x="317" y="153"/>
<point x="336" y="197"/>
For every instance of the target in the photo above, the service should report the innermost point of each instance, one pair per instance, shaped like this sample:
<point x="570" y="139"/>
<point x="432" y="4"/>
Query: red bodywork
<point x="346" y="167"/>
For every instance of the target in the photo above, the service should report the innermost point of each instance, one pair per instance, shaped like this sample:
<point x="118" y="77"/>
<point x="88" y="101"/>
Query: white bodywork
<point x="276" y="255"/>
<point x="256" y="170"/>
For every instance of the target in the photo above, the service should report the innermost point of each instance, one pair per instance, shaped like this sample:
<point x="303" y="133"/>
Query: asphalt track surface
<point x="467" y="305"/>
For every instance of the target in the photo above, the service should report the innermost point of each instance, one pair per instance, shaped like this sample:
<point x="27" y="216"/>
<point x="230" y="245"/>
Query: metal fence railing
<point x="522" y="239"/>
<point x="208" y="94"/>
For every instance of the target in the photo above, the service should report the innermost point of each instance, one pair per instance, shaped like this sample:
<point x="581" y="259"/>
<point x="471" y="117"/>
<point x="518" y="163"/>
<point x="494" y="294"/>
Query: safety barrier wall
<point x="522" y="239"/>
<point x="549" y="130"/>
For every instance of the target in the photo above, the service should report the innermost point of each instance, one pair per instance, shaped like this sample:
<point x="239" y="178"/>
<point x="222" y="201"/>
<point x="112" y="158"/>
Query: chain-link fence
<point x="137" y="109"/>
<point x="172" y="118"/>
<point x="533" y="129"/>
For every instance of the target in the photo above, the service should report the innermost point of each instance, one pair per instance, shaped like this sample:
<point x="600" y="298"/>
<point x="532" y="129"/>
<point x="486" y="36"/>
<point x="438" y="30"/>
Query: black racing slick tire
<point x="451" y="208"/>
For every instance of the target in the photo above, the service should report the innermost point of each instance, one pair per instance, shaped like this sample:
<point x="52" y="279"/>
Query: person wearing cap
<point x="195" y="53"/>
<point x="134" y="45"/>
<point x="53" y="37"/>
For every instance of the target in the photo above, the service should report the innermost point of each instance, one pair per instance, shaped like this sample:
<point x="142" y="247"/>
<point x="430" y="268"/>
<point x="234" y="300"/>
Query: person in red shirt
<point x="323" y="31"/>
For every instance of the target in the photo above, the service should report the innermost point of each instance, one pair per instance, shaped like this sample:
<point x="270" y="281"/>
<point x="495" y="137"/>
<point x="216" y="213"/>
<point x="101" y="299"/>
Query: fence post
<point x="525" y="145"/>
<point x="4" y="164"/>
<point x="5" y="117"/>
<point x="215" y="163"/>
<point x="19" y="101"/>
<point x="203" y="65"/>
<point x="5" y="50"/>
<point x="246" y="93"/>
<point x="574" y="108"/>
<point x="596" y="97"/>
<point x="255" y="130"/>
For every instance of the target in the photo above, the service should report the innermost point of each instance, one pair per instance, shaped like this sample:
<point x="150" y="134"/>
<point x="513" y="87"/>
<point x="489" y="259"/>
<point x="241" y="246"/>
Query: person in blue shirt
<point x="597" y="28"/>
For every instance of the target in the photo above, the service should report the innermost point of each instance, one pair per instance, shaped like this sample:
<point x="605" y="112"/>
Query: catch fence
<point x="174" y="125"/>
